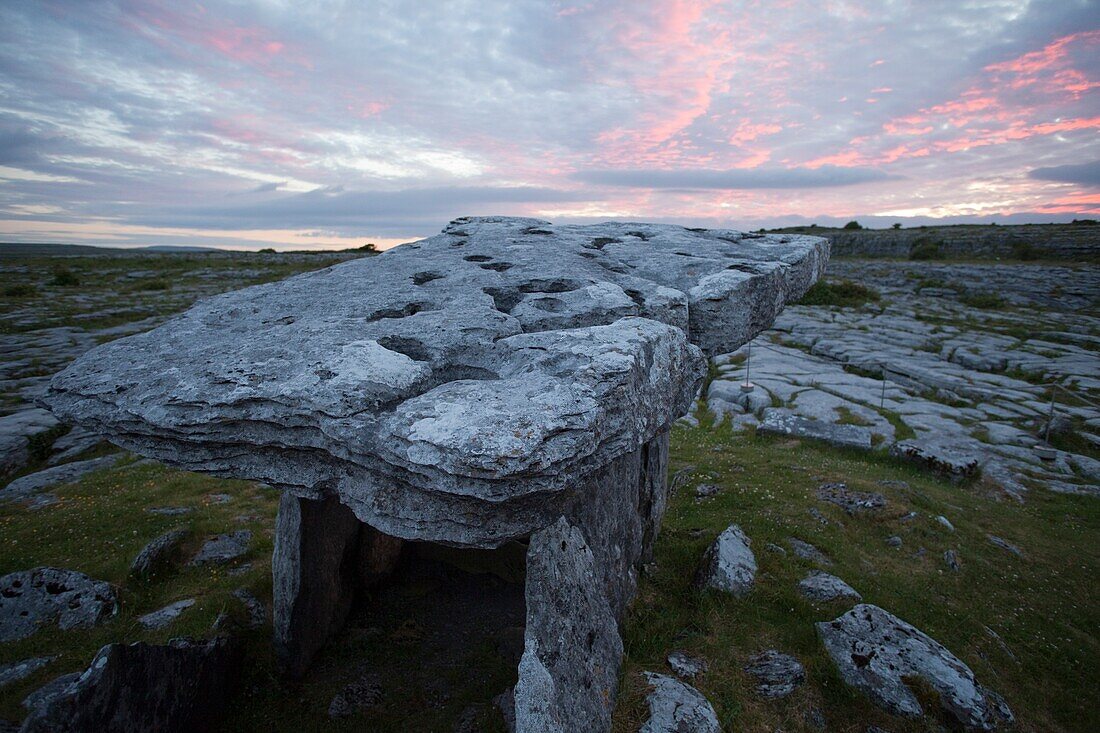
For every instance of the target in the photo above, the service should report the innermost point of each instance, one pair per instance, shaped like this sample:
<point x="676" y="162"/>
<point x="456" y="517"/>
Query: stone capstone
<point x="182" y="686"/>
<point x="876" y="652"/>
<point x="32" y="598"/>
<point x="728" y="564"/>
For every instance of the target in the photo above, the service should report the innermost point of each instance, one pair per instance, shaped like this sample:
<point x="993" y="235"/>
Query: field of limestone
<point x="898" y="435"/>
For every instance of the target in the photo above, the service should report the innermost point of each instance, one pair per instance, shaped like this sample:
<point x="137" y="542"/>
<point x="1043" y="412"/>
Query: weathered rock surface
<point x="223" y="548"/>
<point x="819" y="586"/>
<point x="16" y="431"/>
<point x="777" y="674"/>
<point x="16" y="671"/>
<point x="806" y="551"/>
<point x="675" y="707"/>
<point x="876" y="651"/>
<point x="779" y="421"/>
<point x="162" y="617"/>
<point x="157" y="553"/>
<point x="183" y="686"/>
<point x="686" y="666"/>
<point x="852" y="502"/>
<point x="577" y="344"/>
<point x="44" y="595"/>
<point x="728" y="564"/>
<point x="26" y="486"/>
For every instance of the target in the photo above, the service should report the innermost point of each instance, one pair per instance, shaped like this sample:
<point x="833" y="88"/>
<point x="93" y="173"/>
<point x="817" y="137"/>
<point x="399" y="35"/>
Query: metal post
<point x="882" y="397"/>
<point x="748" y="363"/>
<point x="1050" y="416"/>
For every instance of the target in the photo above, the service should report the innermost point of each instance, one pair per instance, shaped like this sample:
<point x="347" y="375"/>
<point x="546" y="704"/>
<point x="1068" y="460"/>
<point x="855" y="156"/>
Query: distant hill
<point x="23" y="249"/>
<point x="181" y="248"/>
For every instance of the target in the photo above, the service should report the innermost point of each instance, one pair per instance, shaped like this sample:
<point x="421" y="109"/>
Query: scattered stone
<point x="703" y="491"/>
<point x="951" y="558"/>
<point x="50" y="690"/>
<point x="945" y="522"/>
<point x="777" y="674"/>
<point x="164" y="616"/>
<point x="772" y="547"/>
<point x="816" y="514"/>
<point x="823" y="587"/>
<point x="852" y="502"/>
<point x="876" y="652"/>
<point x="223" y="548"/>
<point x="170" y="511"/>
<point x="32" y="598"/>
<point x="18" y="670"/>
<point x="1005" y="545"/>
<point x="25" y="486"/>
<point x="894" y="484"/>
<point x="728" y="564"/>
<point x="157" y="553"/>
<point x="257" y="612"/>
<point x="357" y="696"/>
<point x="780" y="421"/>
<point x="806" y="551"/>
<point x="219" y="498"/>
<point x="894" y="541"/>
<point x="675" y="707"/>
<point x="685" y="666"/>
<point x="179" y="687"/>
<point x="909" y="517"/>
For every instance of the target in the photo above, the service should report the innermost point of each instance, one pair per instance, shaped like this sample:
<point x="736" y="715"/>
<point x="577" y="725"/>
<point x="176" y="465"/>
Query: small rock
<point x="816" y="514"/>
<point x="952" y="560"/>
<point x="161" y="618"/>
<point x="241" y="569"/>
<point x="685" y="666"/>
<point x="257" y="612"/>
<point x="822" y="587"/>
<point x="909" y="517"/>
<point x="772" y="547"/>
<point x="852" y="502"/>
<point x="675" y="707"/>
<point x="18" y="670"/>
<point x="893" y="541"/>
<point x="1005" y="545"/>
<point x="157" y="553"/>
<point x="894" y="484"/>
<point x="806" y="551"/>
<point x="728" y="564"/>
<point x="877" y="652"/>
<point x="219" y="498"/>
<point x="777" y="674"/>
<point x="170" y="511"/>
<point x="703" y="491"/>
<point x="945" y="522"/>
<point x="224" y="548"/>
<point x="356" y="696"/>
<point x="32" y="598"/>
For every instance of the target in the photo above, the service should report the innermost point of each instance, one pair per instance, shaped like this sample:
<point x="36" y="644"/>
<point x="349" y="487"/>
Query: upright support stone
<point x="315" y="569"/>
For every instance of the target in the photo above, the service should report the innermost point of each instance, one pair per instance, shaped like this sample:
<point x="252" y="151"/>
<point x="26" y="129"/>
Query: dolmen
<point x="506" y="380"/>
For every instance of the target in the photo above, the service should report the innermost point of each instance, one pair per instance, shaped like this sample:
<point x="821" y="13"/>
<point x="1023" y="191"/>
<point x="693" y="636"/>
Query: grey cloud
<point x="1086" y="174"/>
<point x="823" y="177"/>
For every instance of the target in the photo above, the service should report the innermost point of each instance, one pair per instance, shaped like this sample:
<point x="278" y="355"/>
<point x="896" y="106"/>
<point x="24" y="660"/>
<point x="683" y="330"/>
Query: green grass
<point x="843" y="293"/>
<point x="988" y="301"/>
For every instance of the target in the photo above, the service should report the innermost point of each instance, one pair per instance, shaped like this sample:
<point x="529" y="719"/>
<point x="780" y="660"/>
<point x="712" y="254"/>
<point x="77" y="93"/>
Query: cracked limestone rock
<point x="675" y="707"/>
<point x="44" y="595"/>
<point x="728" y="564"/>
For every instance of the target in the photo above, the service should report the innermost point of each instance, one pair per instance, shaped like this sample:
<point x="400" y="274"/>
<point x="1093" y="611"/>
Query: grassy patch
<point x="926" y="248"/>
<point x="989" y="301"/>
<point x="843" y="293"/>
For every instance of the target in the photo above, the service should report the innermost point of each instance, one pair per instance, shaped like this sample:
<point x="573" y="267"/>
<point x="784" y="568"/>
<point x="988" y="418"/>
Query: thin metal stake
<point x="882" y="398"/>
<point x="748" y="363"/>
<point x="1050" y="417"/>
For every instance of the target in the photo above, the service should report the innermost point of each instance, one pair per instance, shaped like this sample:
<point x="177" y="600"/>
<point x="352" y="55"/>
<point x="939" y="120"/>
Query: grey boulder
<point x="676" y="707"/>
<point x="823" y="587"/>
<point x="777" y="674"/>
<point x="32" y="598"/>
<point x="179" y="687"/>
<point x="686" y="666"/>
<point x="876" y="652"/>
<point x="728" y="564"/>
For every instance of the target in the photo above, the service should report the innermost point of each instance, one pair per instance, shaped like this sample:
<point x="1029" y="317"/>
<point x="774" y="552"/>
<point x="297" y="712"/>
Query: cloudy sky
<point x="330" y="123"/>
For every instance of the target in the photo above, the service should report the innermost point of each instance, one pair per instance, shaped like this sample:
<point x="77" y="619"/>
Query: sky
<point x="329" y="124"/>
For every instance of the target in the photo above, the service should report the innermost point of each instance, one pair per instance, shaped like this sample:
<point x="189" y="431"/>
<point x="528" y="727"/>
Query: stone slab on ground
<point x="45" y="595"/>
<point x="779" y="421"/>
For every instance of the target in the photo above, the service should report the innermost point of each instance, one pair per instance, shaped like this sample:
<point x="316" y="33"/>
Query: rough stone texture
<point x="806" y="551"/>
<point x="576" y="345"/>
<point x="779" y="421"/>
<point x="223" y="548"/>
<point x="25" y="487"/>
<point x="819" y="586"/>
<point x="686" y="666"/>
<point x="253" y="606"/>
<point x="182" y="686"/>
<point x="875" y="651"/>
<point x="16" y="671"/>
<point x="16" y="431"/>
<point x="162" y="617"/>
<point x="675" y="707"/>
<point x="157" y="553"/>
<point x="568" y="674"/>
<point x="47" y="692"/>
<point x="1049" y="241"/>
<point x="852" y="502"/>
<point x="44" y="595"/>
<point x="728" y="564"/>
<point x="777" y="674"/>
